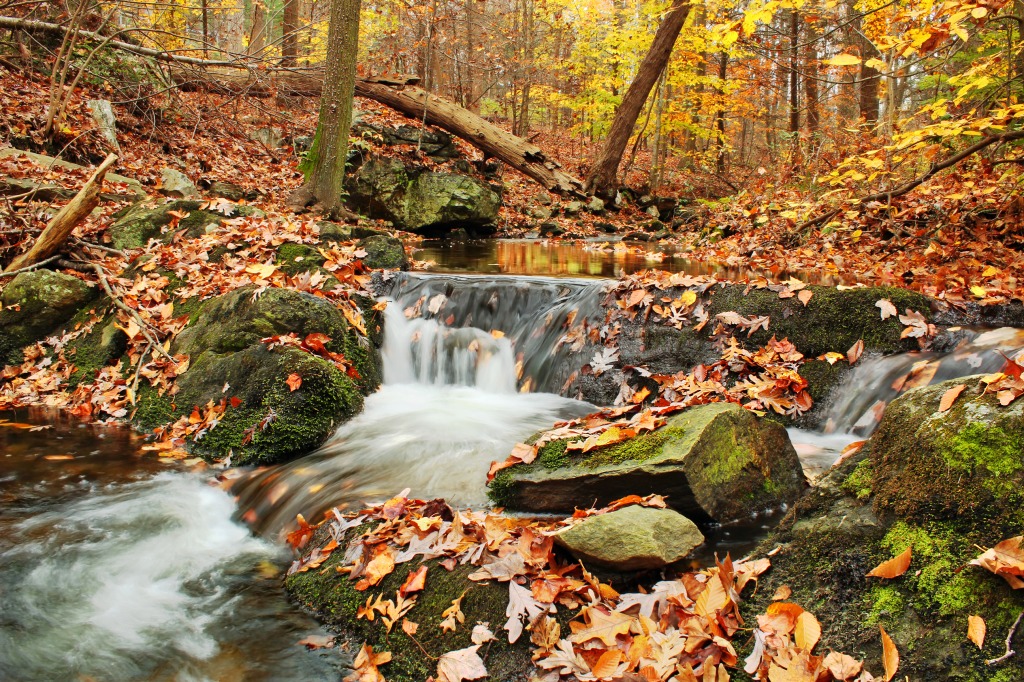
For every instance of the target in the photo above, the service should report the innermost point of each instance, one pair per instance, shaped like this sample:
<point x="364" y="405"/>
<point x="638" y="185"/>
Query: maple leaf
<point x="887" y="308"/>
<point x="464" y="664"/>
<point x="604" y="360"/>
<point x="294" y="381"/>
<point x="364" y="668"/>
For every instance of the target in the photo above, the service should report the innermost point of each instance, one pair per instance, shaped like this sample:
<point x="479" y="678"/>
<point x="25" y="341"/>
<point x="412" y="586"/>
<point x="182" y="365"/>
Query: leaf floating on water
<point x="58" y="458"/>
<point x="976" y="630"/>
<point x="317" y="642"/>
<point x="893" y="568"/>
<point x="950" y="396"/>
<point x="365" y="665"/>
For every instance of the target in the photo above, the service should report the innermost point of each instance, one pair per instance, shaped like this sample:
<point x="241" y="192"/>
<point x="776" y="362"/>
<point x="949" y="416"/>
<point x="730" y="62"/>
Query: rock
<point x="106" y="122"/>
<point x="422" y="201"/>
<point x="605" y="227"/>
<point x="544" y="199"/>
<point x="595" y="205"/>
<point x="334" y="232"/>
<point x="272" y="423"/>
<point x="34" y="304"/>
<point x="716" y="461"/>
<point x="384" y="252"/>
<point x="541" y="212"/>
<point x="654" y="226"/>
<point x="572" y="208"/>
<point x="633" y="538"/>
<point x="126" y="188"/>
<point x="551" y="229"/>
<point x="636" y="236"/>
<point x="229" y="190"/>
<point x="271" y="138"/>
<point x="137" y="224"/>
<point x="653" y="212"/>
<point x="435" y="143"/>
<point x="302" y="144"/>
<point x="944" y="484"/>
<point x="174" y="183"/>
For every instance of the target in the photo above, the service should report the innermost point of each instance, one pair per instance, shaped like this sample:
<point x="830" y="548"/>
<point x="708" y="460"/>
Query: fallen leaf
<point x="409" y="627"/>
<point x="364" y="668"/>
<point x="805" y="296"/>
<point x="464" y="664"/>
<point x="856" y="350"/>
<point x="415" y="582"/>
<point x="893" y="568"/>
<point x="950" y="396"/>
<point x="841" y="666"/>
<point x="481" y="634"/>
<point x="976" y="630"/>
<point x="807" y="631"/>
<point x="317" y="641"/>
<point x="887" y="308"/>
<point x="890" y="655"/>
<point x="607" y="665"/>
<point x="294" y="381"/>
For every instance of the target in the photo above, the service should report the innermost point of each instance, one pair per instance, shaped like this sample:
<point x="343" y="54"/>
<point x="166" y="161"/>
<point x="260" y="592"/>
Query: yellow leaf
<point x="979" y="291"/>
<point x="843" y="60"/>
<point x="976" y="630"/>
<point x="807" y="631"/>
<point x="979" y="12"/>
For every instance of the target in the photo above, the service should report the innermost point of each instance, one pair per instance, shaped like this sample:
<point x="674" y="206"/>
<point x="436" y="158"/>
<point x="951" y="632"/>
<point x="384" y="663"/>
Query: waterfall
<point x="471" y="366"/>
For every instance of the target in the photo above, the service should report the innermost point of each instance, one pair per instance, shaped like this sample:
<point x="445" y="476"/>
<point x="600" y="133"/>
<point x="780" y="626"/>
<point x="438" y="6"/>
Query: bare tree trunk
<point x="723" y="72"/>
<point x="602" y="180"/>
<point x="326" y="159"/>
<point x="811" y="78"/>
<point x="205" y="9"/>
<point x="258" y="28"/>
<point x="289" y="31"/>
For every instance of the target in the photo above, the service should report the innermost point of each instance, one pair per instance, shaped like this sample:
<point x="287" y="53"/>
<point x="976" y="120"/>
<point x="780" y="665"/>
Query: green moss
<point x="988" y="447"/>
<point x="554" y="455"/>
<point x="858" y="483"/>
<point x="887" y="605"/>
<point x="731" y="456"/>
<point x="152" y="409"/>
<point x="296" y="258"/>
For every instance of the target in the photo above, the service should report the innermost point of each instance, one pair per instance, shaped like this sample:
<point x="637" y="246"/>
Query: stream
<point x="115" y="566"/>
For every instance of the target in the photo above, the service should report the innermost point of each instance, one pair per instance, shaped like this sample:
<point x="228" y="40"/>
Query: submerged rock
<point x="273" y="422"/>
<point x="422" y="201"/>
<point x="944" y="484"/>
<point x="716" y="461"/>
<point x="34" y="304"/>
<point x="632" y="538"/>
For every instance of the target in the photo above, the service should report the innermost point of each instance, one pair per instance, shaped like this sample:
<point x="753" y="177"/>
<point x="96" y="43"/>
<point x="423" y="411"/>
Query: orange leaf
<point x="807" y="631"/>
<point x="950" y="396"/>
<point x="607" y="664"/>
<point x="783" y="593"/>
<point x="976" y="630"/>
<point x="293" y="381"/>
<point x="890" y="656"/>
<point x="893" y="568"/>
<point x="856" y="350"/>
<point x="416" y="581"/>
<point x="805" y="296"/>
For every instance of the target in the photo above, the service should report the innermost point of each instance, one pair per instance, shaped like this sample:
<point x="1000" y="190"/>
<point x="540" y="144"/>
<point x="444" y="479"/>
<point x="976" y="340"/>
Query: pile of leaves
<point x="684" y="628"/>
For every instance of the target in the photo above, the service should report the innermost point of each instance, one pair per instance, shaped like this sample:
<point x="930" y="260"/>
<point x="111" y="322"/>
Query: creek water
<point x="114" y="566"/>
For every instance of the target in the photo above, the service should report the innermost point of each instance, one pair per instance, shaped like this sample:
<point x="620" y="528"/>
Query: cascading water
<point x="457" y="350"/>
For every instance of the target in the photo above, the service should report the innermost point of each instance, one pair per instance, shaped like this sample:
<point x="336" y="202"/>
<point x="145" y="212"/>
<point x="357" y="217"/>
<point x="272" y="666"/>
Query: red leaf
<point x="294" y="381"/>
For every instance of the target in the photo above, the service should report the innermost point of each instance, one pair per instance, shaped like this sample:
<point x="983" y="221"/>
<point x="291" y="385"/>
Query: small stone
<point x="572" y="208"/>
<point x="540" y="212"/>
<point x="653" y="212"/>
<point x="174" y="183"/>
<point x="551" y="230"/>
<point x="632" y="538"/>
<point x="595" y="205"/>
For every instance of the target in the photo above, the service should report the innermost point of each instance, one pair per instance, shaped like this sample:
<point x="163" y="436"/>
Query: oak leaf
<point x="464" y="664"/>
<point x="601" y="626"/>
<point x="887" y="308"/>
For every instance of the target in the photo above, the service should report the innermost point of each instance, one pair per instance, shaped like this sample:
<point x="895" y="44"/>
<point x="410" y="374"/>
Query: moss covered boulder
<point x="712" y="462"/>
<point x="33" y="304"/>
<point x="384" y="252"/>
<point x="270" y="422"/>
<point x="137" y="224"/>
<point x="422" y="201"/>
<point x="633" y="538"/>
<point x="944" y="484"/>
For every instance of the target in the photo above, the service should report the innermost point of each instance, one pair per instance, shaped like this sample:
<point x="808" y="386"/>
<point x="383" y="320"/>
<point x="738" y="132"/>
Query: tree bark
<point x="330" y="145"/>
<point x="602" y="180"/>
<point x="60" y="226"/>
<point x="258" y="29"/>
<point x="811" y="78"/>
<point x="289" y="33"/>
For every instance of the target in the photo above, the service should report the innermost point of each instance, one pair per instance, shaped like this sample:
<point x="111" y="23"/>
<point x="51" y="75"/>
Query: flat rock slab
<point x="133" y="188"/>
<point x="632" y="538"/>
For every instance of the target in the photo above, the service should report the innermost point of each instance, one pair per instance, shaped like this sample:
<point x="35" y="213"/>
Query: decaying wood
<point x="60" y="226"/>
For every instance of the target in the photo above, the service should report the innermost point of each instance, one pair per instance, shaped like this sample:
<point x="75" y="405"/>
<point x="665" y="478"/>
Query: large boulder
<point x="712" y="462"/>
<point x="273" y="421"/>
<point x="384" y="252"/>
<point x="633" y="538"/>
<point x="422" y="201"/>
<point x="34" y="304"/>
<point x="944" y="484"/>
<point x="137" y="224"/>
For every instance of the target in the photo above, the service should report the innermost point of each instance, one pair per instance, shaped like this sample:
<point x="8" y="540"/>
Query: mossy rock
<point x="335" y="600"/>
<point x="137" y="224"/>
<point x="34" y="304"/>
<point x="828" y="543"/>
<point x="102" y="346"/>
<point x="422" y="201"/>
<point x="384" y="252"/>
<point x="228" y="360"/>
<point x="712" y="462"/>
<point x="966" y="461"/>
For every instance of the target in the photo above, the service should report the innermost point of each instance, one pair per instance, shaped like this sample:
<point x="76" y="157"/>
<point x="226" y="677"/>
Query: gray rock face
<point x="632" y="538"/>
<point x="422" y="201"/>
<point x="174" y="183"/>
<point x="106" y="122"/>
<point x="34" y="303"/>
<point x="129" y="188"/>
<point x="716" y="461"/>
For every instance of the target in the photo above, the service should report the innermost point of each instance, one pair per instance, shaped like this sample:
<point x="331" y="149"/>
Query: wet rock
<point x="716" y="461"/>
<point x="175" y="184"/>
<point x="384" y="252"/>
<point x="137" y="224"/>
<point x="34" y="304"/>
<point x="422" y="201"/>
<point x="632" y="538"/>
<point x="605" y="227"/>
<point x="272" y="423"/>
<point x="636" y="236"/>
<point x="230" y="190"/>
<point x="654" y="226"/>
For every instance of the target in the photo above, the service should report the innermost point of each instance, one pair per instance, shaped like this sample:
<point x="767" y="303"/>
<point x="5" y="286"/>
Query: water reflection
<point x="581" y="259"/>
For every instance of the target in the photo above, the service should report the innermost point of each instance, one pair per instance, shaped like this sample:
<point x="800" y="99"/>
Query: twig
<point x="1009" y="641"/>
<point x="29" y="268"/>
<point x="143" y="325"/>
<point x="138" y="370"/>
<point x="99" y="247"/>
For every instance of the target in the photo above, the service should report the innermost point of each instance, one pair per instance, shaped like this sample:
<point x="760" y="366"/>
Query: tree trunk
<point x="723" y="72"/>
<point x="811" y="78"/>
<point x="326" y="159"/>
<point x="258" y="28"/>
<point x="290" y="32"/>
<point x="602" y="180"/>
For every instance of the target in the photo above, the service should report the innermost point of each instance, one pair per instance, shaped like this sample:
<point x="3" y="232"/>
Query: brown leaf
<point x="856" y="350"/>
<point x="293" y="381"/>
<point x="464" y="664"/>
<point x="317" y="641"/>
<point x="890" y="656"/>
<point x="415" y="582"/>
<point x="409" y="627"/>
<point x="893" y="568"/>
<point x="950" y="396"/>
<point x="805" y="296"/>
<point x="976" y="630"/>
<point x="841" y="666"/>
<point x="783" y="593"/>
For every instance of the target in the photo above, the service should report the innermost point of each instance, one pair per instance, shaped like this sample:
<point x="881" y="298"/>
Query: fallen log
<point x="56" y="232"/>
